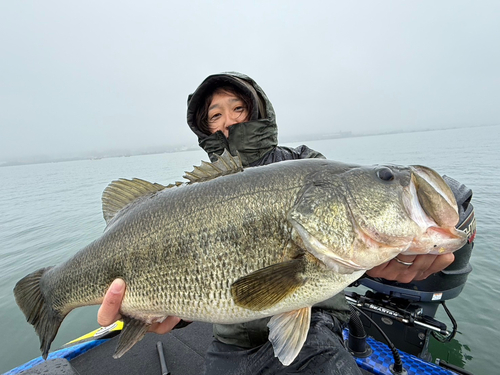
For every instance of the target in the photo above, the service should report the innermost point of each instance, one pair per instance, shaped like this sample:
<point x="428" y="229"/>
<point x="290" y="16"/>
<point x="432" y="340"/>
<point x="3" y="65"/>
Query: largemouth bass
<point x="235" y="245"/>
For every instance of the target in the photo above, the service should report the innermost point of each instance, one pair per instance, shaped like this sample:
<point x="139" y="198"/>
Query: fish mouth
<point x="431" y="204"/>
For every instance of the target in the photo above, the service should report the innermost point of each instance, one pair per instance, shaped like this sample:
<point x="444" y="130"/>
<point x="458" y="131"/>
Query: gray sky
<point x="87" y="76"/>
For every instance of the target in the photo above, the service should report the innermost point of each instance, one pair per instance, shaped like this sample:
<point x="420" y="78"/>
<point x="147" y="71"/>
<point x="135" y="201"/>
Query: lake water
<point x="50" y="211"/>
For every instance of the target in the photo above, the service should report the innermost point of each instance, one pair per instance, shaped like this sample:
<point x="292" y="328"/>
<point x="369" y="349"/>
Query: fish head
<point x="362" y="217"/>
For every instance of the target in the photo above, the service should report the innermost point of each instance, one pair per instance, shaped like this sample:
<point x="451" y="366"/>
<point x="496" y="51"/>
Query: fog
<point x="102" y="77"/>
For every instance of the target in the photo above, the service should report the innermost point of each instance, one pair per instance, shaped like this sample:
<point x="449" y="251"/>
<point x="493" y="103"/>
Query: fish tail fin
<point x="38" y="312"/>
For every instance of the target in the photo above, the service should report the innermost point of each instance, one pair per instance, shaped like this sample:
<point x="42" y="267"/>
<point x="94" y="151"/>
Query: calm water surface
<point x="50" y="211"/>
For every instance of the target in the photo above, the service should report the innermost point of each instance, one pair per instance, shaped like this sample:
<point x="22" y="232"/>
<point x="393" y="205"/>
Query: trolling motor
<point x="405" y="312"/>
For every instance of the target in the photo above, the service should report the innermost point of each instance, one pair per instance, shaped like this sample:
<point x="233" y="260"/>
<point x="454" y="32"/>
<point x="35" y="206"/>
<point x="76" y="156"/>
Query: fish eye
<point x="385" y="174"/>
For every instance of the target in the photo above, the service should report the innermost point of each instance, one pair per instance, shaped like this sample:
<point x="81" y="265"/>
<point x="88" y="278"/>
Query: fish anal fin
<point x="133" y="332"/>
<point x="224" y="165"/>
<point x="120" y="193"/>
<point x="266" y="287"/>
<point x="288" y="332"/>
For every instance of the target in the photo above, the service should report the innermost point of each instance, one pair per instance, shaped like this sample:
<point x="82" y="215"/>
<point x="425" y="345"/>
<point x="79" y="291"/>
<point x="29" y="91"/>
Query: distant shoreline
<point x="171" y="149"/>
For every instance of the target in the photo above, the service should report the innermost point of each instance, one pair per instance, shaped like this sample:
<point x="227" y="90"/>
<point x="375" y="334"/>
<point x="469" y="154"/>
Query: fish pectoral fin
<point x="268" y="286"/>
<point x="133" y="332"/>
<point x="288" y="332"/>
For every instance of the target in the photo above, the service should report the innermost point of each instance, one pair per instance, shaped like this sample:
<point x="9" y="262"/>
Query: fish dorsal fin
<point x="122" y="192"/>
<point x="176" y="184"/>
<point x="224" y="165"/>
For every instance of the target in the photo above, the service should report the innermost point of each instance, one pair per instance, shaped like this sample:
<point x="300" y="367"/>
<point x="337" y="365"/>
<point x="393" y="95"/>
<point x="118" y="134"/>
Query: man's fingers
<point x="109" y="312"/>
<point x="422" y="267"/>
<point x="439" y="264"/>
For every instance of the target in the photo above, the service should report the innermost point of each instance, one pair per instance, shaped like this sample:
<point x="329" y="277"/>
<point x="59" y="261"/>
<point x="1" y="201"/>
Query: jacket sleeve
<point x="280" y="153"/>
<point x="305" y="152"/>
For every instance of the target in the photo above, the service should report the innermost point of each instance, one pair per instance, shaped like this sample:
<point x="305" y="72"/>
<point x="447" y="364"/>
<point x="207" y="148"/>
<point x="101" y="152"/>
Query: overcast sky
<point x="86" y="76"/>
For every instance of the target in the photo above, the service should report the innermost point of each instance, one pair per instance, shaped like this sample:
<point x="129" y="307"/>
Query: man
<point x="230" y="111"/>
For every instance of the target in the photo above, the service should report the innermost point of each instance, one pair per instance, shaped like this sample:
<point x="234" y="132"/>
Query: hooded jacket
<point x="256" y="143"/>
<point x="256" y="140"/>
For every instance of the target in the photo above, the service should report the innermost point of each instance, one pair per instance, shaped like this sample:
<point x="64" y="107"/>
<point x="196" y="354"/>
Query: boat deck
<point x="184" y="351"/>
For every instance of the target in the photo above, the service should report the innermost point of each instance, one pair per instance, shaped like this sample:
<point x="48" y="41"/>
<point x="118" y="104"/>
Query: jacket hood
<point x="252" y="139"/>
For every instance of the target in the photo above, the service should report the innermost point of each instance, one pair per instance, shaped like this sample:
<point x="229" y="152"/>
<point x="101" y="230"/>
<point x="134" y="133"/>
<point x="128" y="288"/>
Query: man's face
<point x="226" y="109"/>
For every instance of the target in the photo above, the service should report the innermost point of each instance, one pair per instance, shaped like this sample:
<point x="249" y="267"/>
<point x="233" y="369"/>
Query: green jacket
<point x="256" y="142"/>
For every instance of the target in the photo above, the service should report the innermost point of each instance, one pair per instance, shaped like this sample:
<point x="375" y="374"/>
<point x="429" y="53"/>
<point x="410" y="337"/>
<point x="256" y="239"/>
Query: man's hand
<point x="423" y="266"/>
<point x="109" y="312"/>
